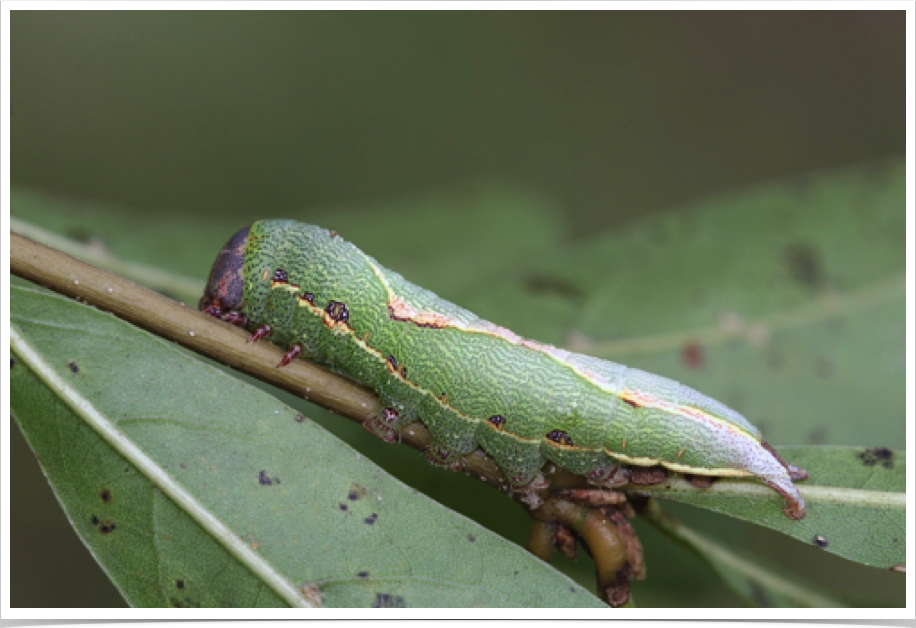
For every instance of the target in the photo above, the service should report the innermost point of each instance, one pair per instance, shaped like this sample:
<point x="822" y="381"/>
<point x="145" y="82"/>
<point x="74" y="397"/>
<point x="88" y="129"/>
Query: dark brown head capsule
<point x="224" y="287"/>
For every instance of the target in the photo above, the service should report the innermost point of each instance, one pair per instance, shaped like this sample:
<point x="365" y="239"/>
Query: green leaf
<point x="759" y="583"/>
<point x="192" y="489"/>
<point x="784" y="301"/>
<point x="451" y="242"/>
<point x="856" y="501"/>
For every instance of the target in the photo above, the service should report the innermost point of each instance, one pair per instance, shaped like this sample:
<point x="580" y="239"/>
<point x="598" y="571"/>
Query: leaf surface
<point x="856" y="500"/>
<point x="785" y="301"/>
<point x="192" y="489"/>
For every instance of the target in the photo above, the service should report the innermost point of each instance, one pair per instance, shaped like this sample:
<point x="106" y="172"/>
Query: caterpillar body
<point x="472" y="383"/>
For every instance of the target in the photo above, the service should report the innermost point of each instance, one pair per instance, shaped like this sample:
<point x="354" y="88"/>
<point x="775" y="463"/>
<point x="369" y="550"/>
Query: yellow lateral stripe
<point x="687" y="412"/>
<point x="678" y="467"/>
<point x="641" y="398"/>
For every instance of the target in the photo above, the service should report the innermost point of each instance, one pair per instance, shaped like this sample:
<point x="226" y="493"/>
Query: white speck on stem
<point x="76" y="282"/>
<point x="192" y="333"/>
<point x="109" y="289"/>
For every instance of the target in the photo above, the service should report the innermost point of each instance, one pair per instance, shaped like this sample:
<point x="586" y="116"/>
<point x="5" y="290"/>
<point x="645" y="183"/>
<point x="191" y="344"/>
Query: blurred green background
<point x="603" y="116"/>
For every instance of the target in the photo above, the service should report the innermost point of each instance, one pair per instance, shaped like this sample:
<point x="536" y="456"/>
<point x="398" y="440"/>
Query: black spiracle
<point x="338" y="311"/>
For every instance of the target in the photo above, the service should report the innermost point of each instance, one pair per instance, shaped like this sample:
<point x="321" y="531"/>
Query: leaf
<point x="757" y="582"/>
<point x="856" y="501"/>
<point x="192" y="489"/>
<point x="647" y="295"/>
<point x="786" y="302"/>
<point x="452" y="241"/>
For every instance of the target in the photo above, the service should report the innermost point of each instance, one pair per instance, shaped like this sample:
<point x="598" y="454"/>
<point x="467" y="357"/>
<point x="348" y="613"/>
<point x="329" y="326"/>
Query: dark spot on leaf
<point x="265" y="480"/>
<point x="539" y="284"/>
<point x="572" y="589"/>
<point x="106" y="495"/>
<point x="73" y="367"/>
<point x="371" y="519"/>
<point x="472" y="538"/>
<point x="820" y="541"/>
<point x="775" y="360"/>
<point x="692" y="355"/>
<point x="386" y="600"/>
<point x="363" y="574"/>
<point x="105" y="526"/>
<point x="300" y="418"/>
<point x="182" y="465"/>
<point x="804" y="265"/>
<point x="179" y="584"/>
<point x="332" y="233"/>
<point x="343" y="506"/>
<point x="95" y="520"/>
<point x="357" y="491"/>
<point x="878" y="455"/>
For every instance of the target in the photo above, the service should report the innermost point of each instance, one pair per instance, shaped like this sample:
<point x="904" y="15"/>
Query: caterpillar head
<point x="224" y="287"/>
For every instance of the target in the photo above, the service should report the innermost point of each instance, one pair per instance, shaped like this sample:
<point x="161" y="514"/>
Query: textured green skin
<point x="486" y="371"/>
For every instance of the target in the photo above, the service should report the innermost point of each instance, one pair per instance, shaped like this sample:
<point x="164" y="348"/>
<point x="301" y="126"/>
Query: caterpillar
<point x="472" y="383"/>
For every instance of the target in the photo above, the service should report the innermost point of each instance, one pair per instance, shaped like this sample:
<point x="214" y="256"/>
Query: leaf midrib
<point x="814" y="494"/>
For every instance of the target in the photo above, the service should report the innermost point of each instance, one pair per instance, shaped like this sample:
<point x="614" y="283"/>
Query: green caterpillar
<point x="472" y="383"/>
